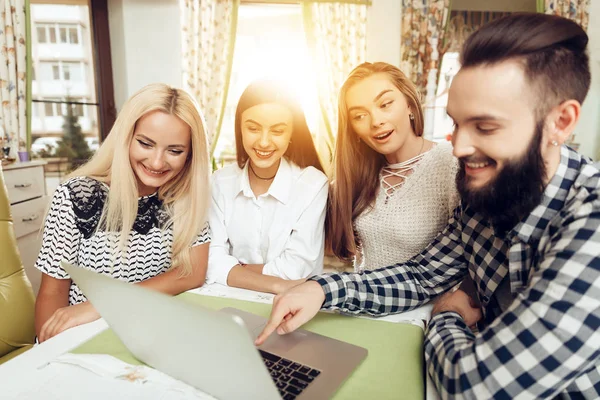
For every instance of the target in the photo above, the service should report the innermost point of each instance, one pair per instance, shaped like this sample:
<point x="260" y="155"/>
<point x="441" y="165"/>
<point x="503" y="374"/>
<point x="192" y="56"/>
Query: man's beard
<point x="513" y="193"/>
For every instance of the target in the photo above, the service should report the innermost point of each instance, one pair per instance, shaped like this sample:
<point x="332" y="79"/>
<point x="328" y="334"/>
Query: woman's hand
<point x="67" y="317"/>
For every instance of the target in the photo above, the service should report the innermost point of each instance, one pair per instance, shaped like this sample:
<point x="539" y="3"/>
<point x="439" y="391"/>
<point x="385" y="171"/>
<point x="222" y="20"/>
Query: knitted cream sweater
<point x="414" y="214"/>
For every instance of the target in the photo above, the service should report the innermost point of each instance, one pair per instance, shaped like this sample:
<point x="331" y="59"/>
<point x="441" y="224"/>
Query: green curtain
<point x="540" y="6"/>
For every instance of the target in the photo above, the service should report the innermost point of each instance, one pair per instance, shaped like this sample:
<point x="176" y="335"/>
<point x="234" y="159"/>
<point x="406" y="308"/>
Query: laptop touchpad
<point x="281" y="344"/>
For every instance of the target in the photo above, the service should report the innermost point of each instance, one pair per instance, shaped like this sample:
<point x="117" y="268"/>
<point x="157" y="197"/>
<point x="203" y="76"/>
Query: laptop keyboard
<point x="290" y="377"/>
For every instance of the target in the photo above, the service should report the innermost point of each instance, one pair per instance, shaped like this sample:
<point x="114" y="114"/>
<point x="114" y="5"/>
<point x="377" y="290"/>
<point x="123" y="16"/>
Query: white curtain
<point x="13" y="83"/>
<point x="209" y="28"/>
<point x="336" y="34"/>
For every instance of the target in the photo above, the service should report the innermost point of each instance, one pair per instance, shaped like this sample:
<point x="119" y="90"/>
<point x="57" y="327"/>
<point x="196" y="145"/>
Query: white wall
<point x="588" y="130"/>
<point x="145" y="44"/>
<point x="383" y="31"/>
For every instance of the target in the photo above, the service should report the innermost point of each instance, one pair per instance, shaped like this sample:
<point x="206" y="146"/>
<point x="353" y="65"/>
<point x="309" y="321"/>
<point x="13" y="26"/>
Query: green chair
<point x="17" y="302"/>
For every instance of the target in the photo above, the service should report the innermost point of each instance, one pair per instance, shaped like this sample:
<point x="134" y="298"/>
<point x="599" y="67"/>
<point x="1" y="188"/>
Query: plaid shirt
<point x="546" y="344"/>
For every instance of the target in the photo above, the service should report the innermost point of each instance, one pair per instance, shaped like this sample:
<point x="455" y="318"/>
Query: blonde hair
<point x="356" y="166"/>
<point x="185" y="197"/>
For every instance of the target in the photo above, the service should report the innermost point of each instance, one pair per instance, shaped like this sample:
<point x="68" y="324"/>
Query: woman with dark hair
<point x="268" y="210"/>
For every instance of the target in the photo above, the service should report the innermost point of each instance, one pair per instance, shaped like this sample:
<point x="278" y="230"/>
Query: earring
<point x="554" y="143"/>
<point x="411" y="116"/>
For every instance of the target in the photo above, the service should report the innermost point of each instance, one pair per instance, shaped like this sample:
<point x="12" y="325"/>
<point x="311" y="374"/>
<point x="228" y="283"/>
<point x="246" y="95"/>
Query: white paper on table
<point x="100" y="376"/>
<point x="415" y="317"/>
<point x="218" y="290"/>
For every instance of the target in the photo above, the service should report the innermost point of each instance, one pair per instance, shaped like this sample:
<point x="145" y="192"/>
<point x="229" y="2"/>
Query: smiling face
<point x="498" y="142"/>
<point x="379" y="114"/>
<point x="494" y="119"/>
<point x="266" y="133"/>
<point x="159" y="149"/>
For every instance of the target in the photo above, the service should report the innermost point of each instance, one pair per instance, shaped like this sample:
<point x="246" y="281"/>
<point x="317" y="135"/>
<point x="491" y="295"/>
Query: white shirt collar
<point x="280" y="187"/>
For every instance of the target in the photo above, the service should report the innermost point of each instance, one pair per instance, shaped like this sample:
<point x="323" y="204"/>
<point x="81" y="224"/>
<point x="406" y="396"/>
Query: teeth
<point x="263" y="153"/>
<point x="478" y="165"/>
<point x="154" y="172"/>
<point x="383" y="135"/>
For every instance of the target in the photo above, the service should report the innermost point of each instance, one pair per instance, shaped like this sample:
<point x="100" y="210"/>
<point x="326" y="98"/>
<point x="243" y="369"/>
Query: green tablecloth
<point x="392" y="370"/>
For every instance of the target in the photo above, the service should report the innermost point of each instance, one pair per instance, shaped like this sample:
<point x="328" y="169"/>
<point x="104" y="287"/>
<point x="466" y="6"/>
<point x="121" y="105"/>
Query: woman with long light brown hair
<point x="392" y="189"/>
<point x="136" y="211"/>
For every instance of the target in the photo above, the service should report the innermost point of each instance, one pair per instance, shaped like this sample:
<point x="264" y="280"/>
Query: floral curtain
<point x="422" y="40"/>
<point x="576" y="10"/>
<point x="13" y="83"/>
<point x="209" y="28"/>
<point x="337" y="37"/>
<point x="463" y="23"/>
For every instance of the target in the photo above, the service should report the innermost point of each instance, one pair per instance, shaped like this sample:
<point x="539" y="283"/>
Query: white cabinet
<point x="28" y="205"/>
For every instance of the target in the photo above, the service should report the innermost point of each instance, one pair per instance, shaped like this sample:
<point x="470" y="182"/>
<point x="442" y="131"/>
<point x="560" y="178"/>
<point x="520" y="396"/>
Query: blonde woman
<point x="268" y="210"/>
<point x="136" y="211"/>
<point x="393" y="190"/>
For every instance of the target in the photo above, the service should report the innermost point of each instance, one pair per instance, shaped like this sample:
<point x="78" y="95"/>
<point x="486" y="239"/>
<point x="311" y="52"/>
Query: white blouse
<point x="282" y="228"/>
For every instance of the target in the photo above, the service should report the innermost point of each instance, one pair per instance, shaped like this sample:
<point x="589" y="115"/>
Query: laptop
<point x="214" y="351"/>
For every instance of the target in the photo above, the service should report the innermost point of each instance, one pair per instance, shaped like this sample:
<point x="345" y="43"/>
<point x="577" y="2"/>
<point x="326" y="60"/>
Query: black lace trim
<point x="88" y="197"/>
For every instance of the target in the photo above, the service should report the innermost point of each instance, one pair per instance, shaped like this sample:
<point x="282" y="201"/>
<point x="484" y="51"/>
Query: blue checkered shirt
<point x="546" y="342"/>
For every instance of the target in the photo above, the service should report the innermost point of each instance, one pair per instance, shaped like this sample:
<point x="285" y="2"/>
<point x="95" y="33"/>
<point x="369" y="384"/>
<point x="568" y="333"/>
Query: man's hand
<point x="67" y="317"/>
<point x="287" y="284"/>
<point x="460" y="302"/>
<point x="293" y="309"/>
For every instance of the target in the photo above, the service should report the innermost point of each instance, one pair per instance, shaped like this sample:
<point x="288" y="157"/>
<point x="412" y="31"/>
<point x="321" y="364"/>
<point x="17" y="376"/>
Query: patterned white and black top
<point x="70" y="234"/>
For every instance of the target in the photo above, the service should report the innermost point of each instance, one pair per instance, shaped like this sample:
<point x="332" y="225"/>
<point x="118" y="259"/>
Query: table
<point x="384" y="374"/>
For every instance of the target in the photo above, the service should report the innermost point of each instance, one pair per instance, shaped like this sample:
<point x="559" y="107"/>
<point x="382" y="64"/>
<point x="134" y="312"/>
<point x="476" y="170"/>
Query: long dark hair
<point x="301" y="149"/>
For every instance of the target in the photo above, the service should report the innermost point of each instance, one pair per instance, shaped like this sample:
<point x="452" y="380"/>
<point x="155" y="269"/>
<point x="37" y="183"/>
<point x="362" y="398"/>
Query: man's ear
<point x="562" y="121"/>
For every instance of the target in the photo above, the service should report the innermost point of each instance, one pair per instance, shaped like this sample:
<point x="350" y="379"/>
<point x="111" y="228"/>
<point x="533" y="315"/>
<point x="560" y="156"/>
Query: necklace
<point x="260" y="177"/>
<point x="401" y="170"/>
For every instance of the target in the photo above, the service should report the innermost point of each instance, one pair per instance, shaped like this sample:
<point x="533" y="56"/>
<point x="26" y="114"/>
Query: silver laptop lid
<point x="209" y="350"/>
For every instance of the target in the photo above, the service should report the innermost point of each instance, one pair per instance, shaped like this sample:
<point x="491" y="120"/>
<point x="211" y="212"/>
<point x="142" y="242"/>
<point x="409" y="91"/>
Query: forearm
<point x="173" y="283"/>
<point x="45" y="306"/>
<point x="246" y="278"/>
<point x="257" y="268"/>
<point x="385" y="291"/>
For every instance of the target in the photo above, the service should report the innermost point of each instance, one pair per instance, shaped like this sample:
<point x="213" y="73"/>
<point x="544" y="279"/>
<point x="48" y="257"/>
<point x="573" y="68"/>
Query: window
<point x="270" y="42"/>
<point x="78" y="108"/>
<point x="68" y="34"/>
<point x="41" y="34"/>
<point x="52" y="108"/>
<point x="442" y="123"/>
<point x="73" y="35"/>
<point x="64" y="60"/>
<point x="62" y="71"/>
<point x="55" y="72"/>
<point x="72" y="71"/>
<point x="52" y="32"/>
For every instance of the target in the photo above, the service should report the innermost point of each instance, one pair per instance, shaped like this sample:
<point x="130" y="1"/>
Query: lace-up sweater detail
<point x="402" y="221"/>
